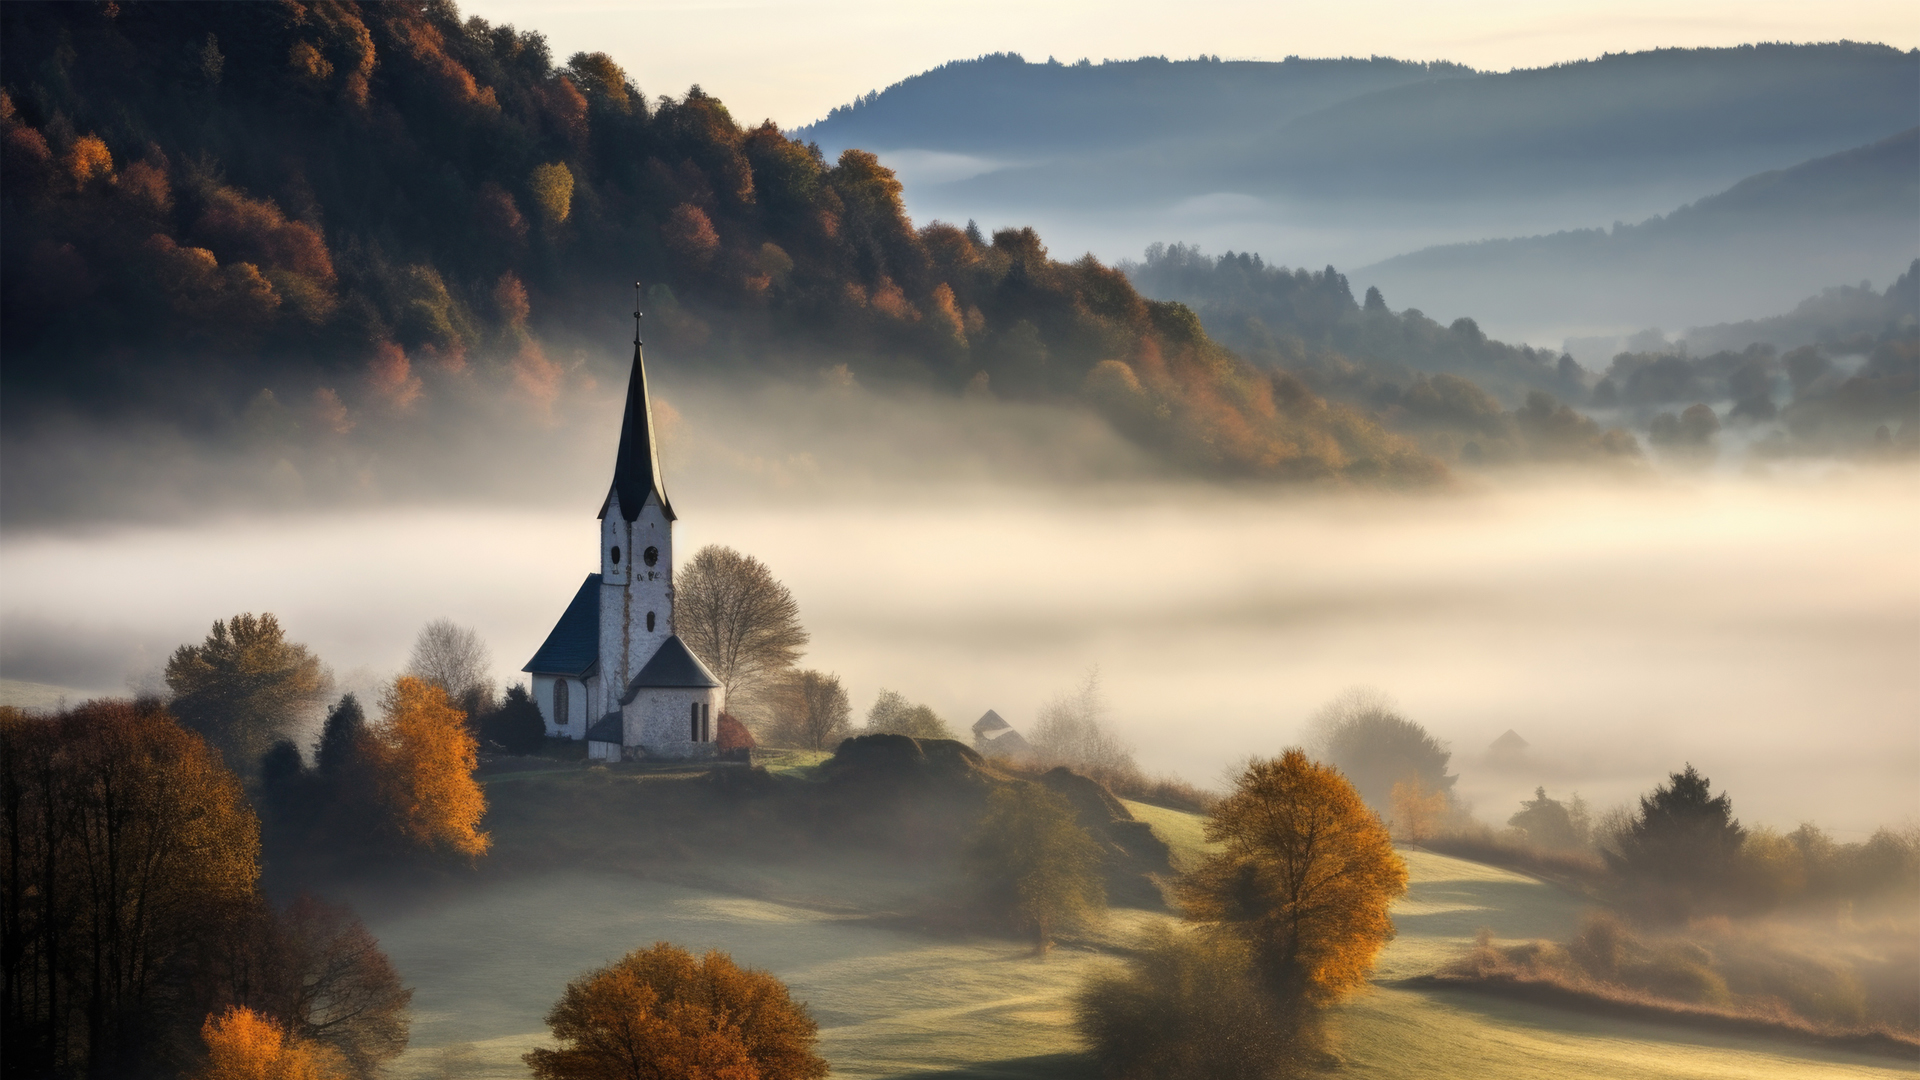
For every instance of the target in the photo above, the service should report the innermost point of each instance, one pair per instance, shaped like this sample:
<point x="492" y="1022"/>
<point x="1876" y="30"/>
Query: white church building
<point x="613" y="672"/>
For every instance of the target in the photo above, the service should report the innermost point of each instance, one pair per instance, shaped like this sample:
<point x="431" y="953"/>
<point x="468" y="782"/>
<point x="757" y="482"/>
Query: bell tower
<point x="636" y="543"/>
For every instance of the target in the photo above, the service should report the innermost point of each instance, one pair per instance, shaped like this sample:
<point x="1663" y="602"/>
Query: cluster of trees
<point x="131" y="914"/>
<point x="1399" y="769"/>
<point x="363" y="208"/>
<point x="1682" y="853"/>
<point x="893" y="714"/>
<point x="405" y="783"/>
<point x="1868" y="410"/>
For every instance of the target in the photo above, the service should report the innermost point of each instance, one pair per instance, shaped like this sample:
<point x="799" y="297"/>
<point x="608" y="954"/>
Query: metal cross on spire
<point x="636" y="313"/>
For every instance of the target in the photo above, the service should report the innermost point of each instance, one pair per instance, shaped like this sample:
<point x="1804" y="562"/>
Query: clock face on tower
<point x="651" y="555"/>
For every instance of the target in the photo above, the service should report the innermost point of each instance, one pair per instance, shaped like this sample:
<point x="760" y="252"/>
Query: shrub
<point x="1186" y="1007"/>
<point x="660" y="1013"/>
<point x="516" y="726"/>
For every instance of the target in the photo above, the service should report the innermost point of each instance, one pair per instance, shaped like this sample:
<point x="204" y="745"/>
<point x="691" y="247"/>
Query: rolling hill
<point x="488" y="954"/>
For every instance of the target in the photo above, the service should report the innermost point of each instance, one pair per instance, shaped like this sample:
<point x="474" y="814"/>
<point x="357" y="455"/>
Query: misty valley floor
<point x="488" y="960"/>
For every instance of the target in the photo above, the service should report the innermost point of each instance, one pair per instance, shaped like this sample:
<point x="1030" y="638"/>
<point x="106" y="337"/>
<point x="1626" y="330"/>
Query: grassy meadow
<point x="490" y="951"/>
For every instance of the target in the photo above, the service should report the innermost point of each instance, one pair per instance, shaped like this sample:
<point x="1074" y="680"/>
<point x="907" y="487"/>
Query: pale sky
<point x="792" y="60"/>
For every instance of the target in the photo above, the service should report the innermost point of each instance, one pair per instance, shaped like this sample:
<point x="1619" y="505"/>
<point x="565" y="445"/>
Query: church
<point x="613" y="672"/>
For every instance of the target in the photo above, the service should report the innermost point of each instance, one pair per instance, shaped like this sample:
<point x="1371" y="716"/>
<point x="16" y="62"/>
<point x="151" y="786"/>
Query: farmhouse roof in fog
<point x="989" y="721"/>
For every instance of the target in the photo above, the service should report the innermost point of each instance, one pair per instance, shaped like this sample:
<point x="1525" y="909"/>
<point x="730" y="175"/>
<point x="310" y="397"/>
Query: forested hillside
<point x="370" y="210"/>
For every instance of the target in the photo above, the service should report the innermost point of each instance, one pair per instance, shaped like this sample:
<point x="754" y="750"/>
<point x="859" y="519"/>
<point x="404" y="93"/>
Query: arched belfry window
<point x="560" y="702"/>
<point x="649" y="622"/>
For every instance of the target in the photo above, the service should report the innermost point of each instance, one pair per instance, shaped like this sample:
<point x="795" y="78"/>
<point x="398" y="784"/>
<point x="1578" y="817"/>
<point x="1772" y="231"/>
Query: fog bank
<point x="1763" y="631"/>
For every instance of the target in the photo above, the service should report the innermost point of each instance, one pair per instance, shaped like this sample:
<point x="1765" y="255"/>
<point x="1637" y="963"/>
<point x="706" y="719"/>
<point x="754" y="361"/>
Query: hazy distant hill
<point x="1351" y="161"/>
<point x="1000" y="104"/>
<point x="1754" y="248"/>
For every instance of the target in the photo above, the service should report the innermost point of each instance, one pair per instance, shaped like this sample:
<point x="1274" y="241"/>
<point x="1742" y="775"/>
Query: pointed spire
<point x="636" y="466"/>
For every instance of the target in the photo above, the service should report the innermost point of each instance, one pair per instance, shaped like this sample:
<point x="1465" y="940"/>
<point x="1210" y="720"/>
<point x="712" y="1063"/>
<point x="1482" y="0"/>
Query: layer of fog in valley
<point x="975" y="556"/>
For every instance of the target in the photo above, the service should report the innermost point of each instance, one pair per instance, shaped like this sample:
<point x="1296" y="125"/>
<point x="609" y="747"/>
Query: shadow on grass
<point x="1514" y="909"/>
<point x="1541" y="1010"/>
<point x="1048" y="1066"/>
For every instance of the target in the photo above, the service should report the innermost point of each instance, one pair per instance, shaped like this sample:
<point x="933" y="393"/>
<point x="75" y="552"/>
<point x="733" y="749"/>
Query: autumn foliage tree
<point x="244" y="686"/>
<point x="660" y="1014"/>
<point x="1304" y="876"/>
<point x="424" y="761"/>
<point x="242" y="1044"/>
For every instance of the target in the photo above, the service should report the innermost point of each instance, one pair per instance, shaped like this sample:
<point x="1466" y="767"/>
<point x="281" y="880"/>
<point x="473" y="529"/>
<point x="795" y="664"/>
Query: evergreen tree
<point x="1682" y="848"/>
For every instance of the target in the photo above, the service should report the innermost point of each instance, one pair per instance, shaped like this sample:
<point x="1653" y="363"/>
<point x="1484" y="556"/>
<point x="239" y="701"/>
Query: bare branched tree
<point x="1072" y="731"/>
<point x="733" y="614"/>
<point x="453" y="658"/>
<point x="810" y="711"/>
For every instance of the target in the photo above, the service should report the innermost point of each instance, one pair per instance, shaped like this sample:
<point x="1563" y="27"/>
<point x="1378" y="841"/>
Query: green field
<point x="488" y="958"/>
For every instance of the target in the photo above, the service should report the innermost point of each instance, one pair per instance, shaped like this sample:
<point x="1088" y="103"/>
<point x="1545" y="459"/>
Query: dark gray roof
<point x="673" y="667"/>
<point x="989" y="721"/>
<point x="608" y="728"/>
<point x="573" y="648"/>
<point x="636" y="465"/>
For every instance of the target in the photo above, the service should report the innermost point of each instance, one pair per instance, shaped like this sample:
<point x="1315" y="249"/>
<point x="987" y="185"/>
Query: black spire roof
<point x="636" y="467"/>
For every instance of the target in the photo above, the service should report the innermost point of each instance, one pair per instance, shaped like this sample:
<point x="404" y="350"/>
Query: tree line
<point x="132" y="914"/>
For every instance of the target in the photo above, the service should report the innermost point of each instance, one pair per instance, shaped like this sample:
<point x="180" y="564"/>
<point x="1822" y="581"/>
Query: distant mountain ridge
<point x="1836" y="218"/>
<point x="1001" y="104"/>
<point x="1351" y="162"/>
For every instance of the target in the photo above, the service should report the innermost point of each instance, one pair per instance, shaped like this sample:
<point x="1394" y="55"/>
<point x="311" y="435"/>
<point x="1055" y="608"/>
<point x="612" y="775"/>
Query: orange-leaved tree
<point x="426" y="757"/>
<point x="1305" y="877"/>
<point x="1417" y="809"/>
<point x="246" y="1045"/>
<point x="660" y="1014"/>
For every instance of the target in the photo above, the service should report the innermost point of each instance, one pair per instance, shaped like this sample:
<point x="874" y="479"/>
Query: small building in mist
<point x="612" y="671"/>
<point x="995" y="738"/>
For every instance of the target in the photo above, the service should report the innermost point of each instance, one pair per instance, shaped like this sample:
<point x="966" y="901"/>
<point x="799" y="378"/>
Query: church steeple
<point x="636" y="466"/>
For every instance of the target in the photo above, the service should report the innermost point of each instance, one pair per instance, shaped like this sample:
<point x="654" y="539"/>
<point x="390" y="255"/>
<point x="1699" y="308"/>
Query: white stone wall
<point x="602" y="751"/>
<point x="658" y="722"/>
<point x="579" y="705"/>
<point x="630" y="589"/>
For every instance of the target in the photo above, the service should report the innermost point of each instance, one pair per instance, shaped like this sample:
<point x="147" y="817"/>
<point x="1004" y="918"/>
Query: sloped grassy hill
<point x="899" y="995"/>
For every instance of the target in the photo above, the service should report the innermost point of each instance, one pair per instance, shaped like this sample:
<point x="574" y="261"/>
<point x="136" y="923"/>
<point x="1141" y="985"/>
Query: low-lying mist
<point x="975" y="555"/>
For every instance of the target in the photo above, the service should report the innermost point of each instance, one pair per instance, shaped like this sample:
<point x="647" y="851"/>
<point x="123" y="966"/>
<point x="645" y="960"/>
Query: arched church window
<point x="651" y="555"/>
<point x="616" y="554"/>
<point x="649" y="622"/>
<point x="693" y="724"/>
<point x="560" y="702"/>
